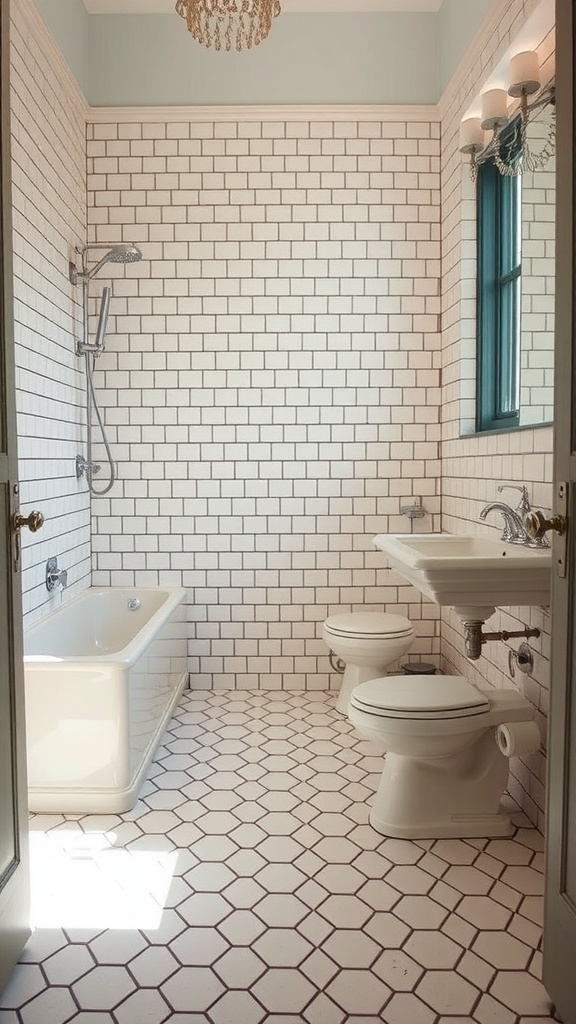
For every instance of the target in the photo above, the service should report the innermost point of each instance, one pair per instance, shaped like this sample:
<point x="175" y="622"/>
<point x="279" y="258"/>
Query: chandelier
<point x="228" y="24"/>
<point x="516" y="155"/>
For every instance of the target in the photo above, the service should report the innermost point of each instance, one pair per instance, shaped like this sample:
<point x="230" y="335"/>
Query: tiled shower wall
<point x="472" y="466"/>
<point x="271" y="381"/>
<point x="49" y="218"/>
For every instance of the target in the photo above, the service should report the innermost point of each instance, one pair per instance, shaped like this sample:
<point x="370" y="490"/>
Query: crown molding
<point x="312" y="112"/>
<point x="139" y="7"/>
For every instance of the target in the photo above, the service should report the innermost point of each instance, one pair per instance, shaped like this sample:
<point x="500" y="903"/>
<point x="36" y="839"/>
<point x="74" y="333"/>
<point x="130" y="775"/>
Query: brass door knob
<point x="34" y="521"/>
<point x="537" y="525"/>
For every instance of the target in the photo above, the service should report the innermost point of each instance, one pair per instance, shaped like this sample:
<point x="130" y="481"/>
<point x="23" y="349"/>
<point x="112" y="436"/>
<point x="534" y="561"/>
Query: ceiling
<point x="311" y="6"/>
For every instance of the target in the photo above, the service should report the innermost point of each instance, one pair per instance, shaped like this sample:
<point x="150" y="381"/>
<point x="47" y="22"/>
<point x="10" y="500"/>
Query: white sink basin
<point x="467" y="572"/>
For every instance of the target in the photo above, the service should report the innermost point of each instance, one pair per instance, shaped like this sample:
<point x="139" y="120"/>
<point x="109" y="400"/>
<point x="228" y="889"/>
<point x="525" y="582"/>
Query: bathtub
<point x="102" y="677"/>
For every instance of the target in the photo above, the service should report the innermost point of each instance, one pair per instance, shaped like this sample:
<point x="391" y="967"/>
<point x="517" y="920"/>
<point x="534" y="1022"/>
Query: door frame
<point x="559" y="907"/>
<point x="15" y="883"/>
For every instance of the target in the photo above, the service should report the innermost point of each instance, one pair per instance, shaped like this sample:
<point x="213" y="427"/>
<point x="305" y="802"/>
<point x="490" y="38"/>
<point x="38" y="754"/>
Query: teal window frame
<point x="498" y="294"/>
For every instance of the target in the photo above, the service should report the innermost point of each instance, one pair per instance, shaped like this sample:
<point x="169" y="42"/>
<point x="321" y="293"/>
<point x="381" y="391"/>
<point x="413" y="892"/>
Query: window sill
<point x="505" y="430"/>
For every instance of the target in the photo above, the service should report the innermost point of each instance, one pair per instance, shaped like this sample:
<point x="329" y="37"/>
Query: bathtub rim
<point x="127" y="655"/>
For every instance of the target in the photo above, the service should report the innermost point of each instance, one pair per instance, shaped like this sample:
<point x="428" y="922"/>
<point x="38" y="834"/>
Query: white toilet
<point x="367" y="642"/>
<point x="444" y="774"/>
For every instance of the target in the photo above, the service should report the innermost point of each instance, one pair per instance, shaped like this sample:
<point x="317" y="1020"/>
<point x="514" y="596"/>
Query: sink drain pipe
<point x="474" y="638"/>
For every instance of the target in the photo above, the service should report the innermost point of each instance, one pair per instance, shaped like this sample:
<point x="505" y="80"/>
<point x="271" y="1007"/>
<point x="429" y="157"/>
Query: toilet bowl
<point x="367" y="642"/>
<point x="444" y="774"/>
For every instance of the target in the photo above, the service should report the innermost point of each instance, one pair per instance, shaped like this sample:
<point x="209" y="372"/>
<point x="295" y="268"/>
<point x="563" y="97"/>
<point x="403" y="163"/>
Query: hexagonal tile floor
<point x="246" y="885"/>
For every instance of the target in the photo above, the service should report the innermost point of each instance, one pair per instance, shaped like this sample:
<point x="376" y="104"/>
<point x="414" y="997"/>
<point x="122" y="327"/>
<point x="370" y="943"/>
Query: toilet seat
<point x="420" y="697"/>
<point x="368" y="624"/>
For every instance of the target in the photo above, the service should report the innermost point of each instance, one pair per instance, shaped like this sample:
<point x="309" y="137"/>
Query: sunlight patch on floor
<point x="82" y="881"/>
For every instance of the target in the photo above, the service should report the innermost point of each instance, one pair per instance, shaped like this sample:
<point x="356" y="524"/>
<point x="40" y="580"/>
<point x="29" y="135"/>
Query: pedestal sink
<point x="473" y="575"/>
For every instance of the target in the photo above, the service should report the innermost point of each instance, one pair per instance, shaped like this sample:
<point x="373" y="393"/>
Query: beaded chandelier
<point x="228" y="24"/>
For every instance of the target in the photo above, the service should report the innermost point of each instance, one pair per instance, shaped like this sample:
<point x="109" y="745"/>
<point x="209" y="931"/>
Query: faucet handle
<point x="55" y="576"/>
<point x="524" y="505"/>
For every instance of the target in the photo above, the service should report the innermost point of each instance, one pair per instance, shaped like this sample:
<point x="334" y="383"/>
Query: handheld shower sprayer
<point x="102" y="319"/>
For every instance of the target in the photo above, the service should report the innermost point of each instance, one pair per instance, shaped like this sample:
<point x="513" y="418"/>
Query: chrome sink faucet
<point x="524" y="505"/>
<point x="514" y="531"/>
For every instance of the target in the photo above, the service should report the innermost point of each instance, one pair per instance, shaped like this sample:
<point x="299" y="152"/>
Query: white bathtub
<point x="101" y="682"/>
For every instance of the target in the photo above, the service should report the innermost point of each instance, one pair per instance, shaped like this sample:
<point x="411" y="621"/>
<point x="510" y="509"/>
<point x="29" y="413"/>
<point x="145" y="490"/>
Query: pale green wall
<point x="458" y="23"/>
<point x="307" y="58"/>
<point x="68" y="22"/>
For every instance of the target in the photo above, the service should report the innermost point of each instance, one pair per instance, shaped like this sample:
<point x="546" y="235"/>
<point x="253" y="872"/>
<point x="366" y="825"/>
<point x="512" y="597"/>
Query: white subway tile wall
<point x="271" y="382"/>
<point x="48" y="130"/>
<point x="538" y="283"/>
<point x="472" y="466"/>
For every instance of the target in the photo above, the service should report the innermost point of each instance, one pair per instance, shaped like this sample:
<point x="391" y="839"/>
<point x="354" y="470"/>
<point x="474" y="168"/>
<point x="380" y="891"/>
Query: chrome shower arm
<point x="122" y="252"/>
<point x="83" y="274"/>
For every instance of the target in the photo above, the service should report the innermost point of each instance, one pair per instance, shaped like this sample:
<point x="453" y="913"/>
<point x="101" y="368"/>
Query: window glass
<point x="499" y="201"/>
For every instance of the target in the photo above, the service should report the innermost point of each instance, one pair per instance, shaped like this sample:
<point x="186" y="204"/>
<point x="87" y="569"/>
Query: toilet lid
<point x="368" y="624"/>
<point x="420" y="697"/>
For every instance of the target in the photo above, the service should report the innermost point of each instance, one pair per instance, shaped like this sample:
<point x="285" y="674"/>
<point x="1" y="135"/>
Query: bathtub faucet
<point x="55" y="577"/>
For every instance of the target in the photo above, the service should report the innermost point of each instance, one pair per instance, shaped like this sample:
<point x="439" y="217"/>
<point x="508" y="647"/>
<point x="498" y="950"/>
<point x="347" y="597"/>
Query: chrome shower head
<point x="127" y="253"/>
<point x="124" y="252"/>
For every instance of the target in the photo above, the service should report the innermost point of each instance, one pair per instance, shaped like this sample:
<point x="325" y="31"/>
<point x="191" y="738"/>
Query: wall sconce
<point x="514" y="156"/>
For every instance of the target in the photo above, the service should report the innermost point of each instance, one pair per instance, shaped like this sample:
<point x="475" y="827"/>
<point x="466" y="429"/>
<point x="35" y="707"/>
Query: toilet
<point x="444" y="774"/>
<point x="367" y="642"/>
